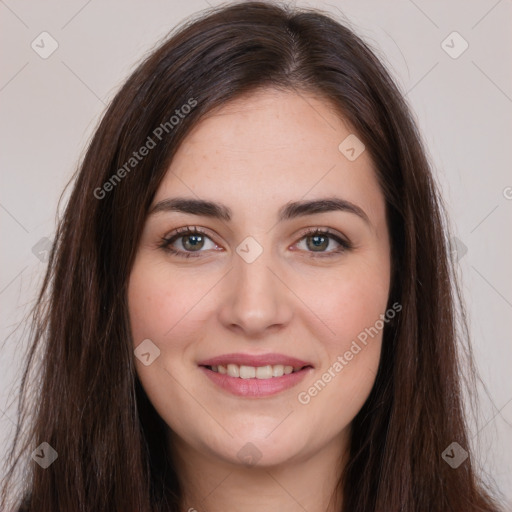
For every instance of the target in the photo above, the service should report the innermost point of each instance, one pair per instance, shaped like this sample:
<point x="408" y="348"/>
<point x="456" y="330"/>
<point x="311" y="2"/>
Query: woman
<point x="249" y="300"/>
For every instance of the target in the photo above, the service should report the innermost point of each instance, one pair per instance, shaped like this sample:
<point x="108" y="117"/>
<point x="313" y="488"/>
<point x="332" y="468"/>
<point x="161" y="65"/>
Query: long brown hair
<point x="91" y="407"/>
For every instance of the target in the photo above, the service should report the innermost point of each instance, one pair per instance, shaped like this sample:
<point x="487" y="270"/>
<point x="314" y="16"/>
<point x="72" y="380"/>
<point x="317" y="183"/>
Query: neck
<point x="309" y="482"/>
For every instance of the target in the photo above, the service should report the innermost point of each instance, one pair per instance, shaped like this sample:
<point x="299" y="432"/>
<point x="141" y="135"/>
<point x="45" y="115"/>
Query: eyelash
<point x="166" y="242"/>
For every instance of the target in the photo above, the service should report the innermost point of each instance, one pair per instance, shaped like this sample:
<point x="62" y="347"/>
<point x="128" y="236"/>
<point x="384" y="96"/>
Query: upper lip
<point x="254" y="360"/>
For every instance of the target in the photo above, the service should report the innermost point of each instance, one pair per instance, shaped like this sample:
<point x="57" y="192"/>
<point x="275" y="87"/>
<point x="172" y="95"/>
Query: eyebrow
<point x="289" y="211"/>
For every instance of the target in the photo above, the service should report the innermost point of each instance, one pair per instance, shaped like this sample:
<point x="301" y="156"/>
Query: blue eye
<point x="318" y="240"/>
<point x="194" y="239"/>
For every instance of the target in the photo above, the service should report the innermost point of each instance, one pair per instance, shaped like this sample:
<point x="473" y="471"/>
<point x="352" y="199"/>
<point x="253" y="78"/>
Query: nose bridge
<point x="255" y="299"/>
<point x="254" y="278"/>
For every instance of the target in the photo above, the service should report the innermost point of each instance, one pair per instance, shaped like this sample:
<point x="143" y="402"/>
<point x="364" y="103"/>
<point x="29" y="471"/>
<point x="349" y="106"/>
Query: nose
<point x="256" y="299"/>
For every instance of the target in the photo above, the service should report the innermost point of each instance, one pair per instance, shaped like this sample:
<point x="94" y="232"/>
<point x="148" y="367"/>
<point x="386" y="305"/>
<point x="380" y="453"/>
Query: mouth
<point x="255" y="372"/>
<point x="255" y="376"/>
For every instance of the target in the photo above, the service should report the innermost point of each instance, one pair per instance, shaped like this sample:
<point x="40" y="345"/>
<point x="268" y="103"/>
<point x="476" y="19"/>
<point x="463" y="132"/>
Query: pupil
<point x="195" y="244"/>
<point x="319" y="241"/>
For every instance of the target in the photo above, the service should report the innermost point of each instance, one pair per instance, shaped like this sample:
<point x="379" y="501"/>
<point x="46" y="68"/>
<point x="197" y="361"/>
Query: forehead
<point x="270" y="146"/>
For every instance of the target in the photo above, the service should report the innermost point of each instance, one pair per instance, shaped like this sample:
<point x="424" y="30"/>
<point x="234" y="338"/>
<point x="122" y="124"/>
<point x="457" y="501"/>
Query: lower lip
<point x="255" y="387"/>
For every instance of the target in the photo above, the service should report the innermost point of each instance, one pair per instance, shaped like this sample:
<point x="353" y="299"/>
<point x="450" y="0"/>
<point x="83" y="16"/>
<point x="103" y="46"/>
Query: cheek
<point x="349" y="302"/>
<point x="162" y="303"/>
<point x="160" y="308"/>
<point x="352" y="305"/>
<point x="340" y="389"/>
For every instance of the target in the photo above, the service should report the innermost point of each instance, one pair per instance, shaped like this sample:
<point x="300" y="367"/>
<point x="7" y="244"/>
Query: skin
<point x="254" y="155"/>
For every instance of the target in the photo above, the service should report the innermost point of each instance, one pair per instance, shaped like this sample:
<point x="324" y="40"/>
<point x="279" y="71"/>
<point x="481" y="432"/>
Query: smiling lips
<point x="254" y="372"/>
<point x="261" y="375"/>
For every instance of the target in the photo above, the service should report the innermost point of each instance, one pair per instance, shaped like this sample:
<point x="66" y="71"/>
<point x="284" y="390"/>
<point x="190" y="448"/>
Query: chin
<point x="256" y="451"/>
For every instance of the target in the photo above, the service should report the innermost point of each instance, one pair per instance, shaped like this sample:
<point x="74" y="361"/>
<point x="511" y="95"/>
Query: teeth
<point x="233" y="370"/>
<point x="264" y="372"/>
<point x="252" y="372"/>
<point x="247" y="372"/>
<point x="278" y="370"/>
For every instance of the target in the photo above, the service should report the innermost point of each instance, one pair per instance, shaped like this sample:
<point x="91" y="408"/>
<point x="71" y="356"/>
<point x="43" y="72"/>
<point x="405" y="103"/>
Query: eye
<point x="319" y="240"/>
<point x="191" y="240"/>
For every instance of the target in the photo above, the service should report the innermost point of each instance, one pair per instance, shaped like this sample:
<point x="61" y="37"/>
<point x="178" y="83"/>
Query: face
<point x="285" y="268"/>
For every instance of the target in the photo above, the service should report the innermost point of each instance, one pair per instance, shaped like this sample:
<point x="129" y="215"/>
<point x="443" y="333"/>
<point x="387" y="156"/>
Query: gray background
<point x="50" y="107"/>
